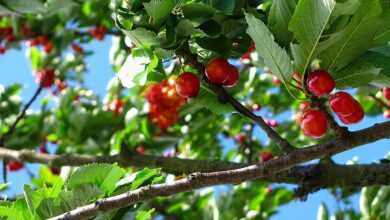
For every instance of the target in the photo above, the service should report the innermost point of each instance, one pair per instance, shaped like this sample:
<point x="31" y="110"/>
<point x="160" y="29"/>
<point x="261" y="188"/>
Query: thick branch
<point x="199" y="180"/>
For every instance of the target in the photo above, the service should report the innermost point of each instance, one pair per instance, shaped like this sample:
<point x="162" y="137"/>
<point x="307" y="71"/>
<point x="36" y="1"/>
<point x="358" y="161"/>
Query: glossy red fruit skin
<point x="14" y="165"/>
<point x="233" y="77"/>
<point x="3" y="50"/>
<point x="240" y="138"/>
<point x="217" y="70"/>
<point x="354" y="118"/>
<point x="303" y="106"/>
<point x="343" y="104"/>
<point x="265" y="156"/>
<point x="48" y="47"/>
<point x="45" y="78"/>
<point x="187" y="85"/>
<point x="386" y="93"/>
<point x="314" y="123"/>
<point x="320" y="83"/>
<point x="386" y="113"/>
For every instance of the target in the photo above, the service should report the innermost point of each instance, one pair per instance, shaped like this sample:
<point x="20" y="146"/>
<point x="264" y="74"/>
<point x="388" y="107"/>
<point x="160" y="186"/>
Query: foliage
<point x="349" y="38"/>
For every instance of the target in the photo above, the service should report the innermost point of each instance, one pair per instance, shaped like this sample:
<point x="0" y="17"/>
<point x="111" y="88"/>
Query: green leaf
<point x="308" y="24"/>
<point x="55" y="6"/>
<point x="143" y="176"/>
<point x="196" y="10"/>
<point x="105" y="176"/>
<point x="226" y="6"/>
<point x="279" y="18"/>
<point x="207" y="99"/>
<point x="3" y="186"/>
<point x="357" y="37"/>
<point x="35" y="58"/>
<point x="359" y="73"/>
<point x="144" y="215"/>
<point x="23" y="6"/>
<point x="159" y="10"/>
<point x="274" y="56"/>
<point x="322" y="213"/>
<point x="142" y="36"/>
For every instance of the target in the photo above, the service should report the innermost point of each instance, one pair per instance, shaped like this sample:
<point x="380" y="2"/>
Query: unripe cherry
<point x="14" y="165"/>
<point x="217" y="70"/>
<point x="232" y="77"/>
<point x="320" y="83"/>
<point x="314" y="123"/>
<point x="187" y="85"/>
<point x="386" y="93"/>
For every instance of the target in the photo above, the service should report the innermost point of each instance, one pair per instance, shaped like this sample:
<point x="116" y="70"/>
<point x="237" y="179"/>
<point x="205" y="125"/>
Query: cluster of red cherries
<point x="43" y="41"/>
<point x="313" y="121"/>
<point x="98" y="32"/>
<point x="166" y="98"/>
<point x="6" y="34"/>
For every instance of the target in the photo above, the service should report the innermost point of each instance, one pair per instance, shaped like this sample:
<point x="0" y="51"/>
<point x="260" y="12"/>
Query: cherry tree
<point x="190" y="77"/>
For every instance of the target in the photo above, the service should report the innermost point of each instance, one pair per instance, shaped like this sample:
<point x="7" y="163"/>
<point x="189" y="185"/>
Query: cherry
<point x="232" y="77"/>
<point x="33" y="42"/>
<point x="14" y="165"/>
<point x="271" y="122"/>
<point x="346" y="107"/>
<point x="48" y="47"/>
<point x="187" y="85"/>
<point x="42" y="149"/>
<point x="77" y="49"/>
<point x="314" y="123"/>
<point x="276" y="81"/>
<point x="42" y="40"/>
<point x="10" y="38"/>
<point x="386" y="113"/>
<point x="217" y="70"/>
<point x="140" y="149"/>
<point x="247" y="55"/>
<point x="3" y="50"/>
<point x="320" y="83"/>
<point x="265" y="156"/>
<point x="386" y="93"/>
<point x="60" y="84"/>
<point x="304" y="106"/>
<point x="353" y="118"/>
<point x="240" y="138"/>
<point x="55" y="170"/>
<point x="98" y="32"/>
<point x="45" y="78"/>
<point x="116" y="106"/>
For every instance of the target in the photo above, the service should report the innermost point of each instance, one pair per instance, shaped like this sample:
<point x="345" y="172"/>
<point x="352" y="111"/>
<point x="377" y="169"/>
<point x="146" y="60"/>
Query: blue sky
<point x="15" y="68"/>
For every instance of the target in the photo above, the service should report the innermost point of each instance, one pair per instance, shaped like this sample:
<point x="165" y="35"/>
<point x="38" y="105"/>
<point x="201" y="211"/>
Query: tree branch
<point x="263" y="170"/>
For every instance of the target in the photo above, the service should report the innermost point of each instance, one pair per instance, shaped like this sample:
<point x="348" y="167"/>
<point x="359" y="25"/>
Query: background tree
<point x="191" y="75"/>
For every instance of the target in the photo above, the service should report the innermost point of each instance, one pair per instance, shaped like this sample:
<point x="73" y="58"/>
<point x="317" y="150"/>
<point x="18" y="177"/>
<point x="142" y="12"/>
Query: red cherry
<point x="45" y="78"/>
<point x="240" y="138"/>
<point x="232" y="77"/>
<point x="10" y="38"/>
<point x="55" y="170"/>
<point x="48" y="47"/>
<point x="116" y="106"/>
<point x="33" y="42"/>
<point x="354" y="118"/>
<point x="42" y="40"/>
<point x="217" y="70"/>
<point x="320" y="83"/>
<point x="154" y="93"/>
<point x="247" y="55"/>
<point x="60" y="85"/>
<point x="76" y="48"/>
<point x="140" y="149"/>
<point x="276" y="81"/>
<point x="386" y="93"/>
<point x="314" y="123"/>
<point x="265" y="156"/>
<point x="187" y="85"/>
<point x="43" y="149"/>
<point x="342" y="103"/>
<point x="271" y="122"/>
<point x="386" y="113"/>
<point x="3" y="50"/>
<point x="14" y="165"/>
<point x="304" y="105"/>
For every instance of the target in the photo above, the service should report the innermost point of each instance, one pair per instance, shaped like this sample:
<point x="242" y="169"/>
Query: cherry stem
<point x="380" y="101"/>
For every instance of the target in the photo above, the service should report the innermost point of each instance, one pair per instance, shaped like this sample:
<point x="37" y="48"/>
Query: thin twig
<point x="380" y="101"/>
<point x="21" y="115"/>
